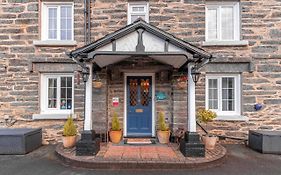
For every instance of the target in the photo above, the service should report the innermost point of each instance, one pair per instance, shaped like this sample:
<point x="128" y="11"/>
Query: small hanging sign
<point x="115" y="101"/>
<point x="161" y="96"/>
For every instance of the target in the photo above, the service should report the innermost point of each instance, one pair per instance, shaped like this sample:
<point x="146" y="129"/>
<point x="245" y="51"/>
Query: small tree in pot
<point x="163" y="132"/>
<point x="115" y="133"/>
<point x="69" y="133"/>
<point x="205" y="116"/>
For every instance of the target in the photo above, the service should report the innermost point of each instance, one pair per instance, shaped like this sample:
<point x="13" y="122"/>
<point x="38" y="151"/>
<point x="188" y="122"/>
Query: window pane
<point x="138" y="9"/>
<point x="66" y="23"/>
<point x="227" y="23"/>
<point x="212" y="24"/>
<point x="52" y="93"/>
<point x="66" y="93"/>
<point x="63" y="81"/>
<point x="228" y="98"/>
<point x="52" y="23"/>
<point x="213" y="93"/>
<point x="69" y="81"/>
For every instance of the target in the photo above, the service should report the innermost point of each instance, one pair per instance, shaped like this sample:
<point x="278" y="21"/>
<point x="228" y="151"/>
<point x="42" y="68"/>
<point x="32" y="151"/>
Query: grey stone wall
<point x="260" y="25"/>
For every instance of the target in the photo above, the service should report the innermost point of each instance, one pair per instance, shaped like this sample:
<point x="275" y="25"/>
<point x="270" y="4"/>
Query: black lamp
<point x="85" y="74"/>
<point x="195" y="74"/>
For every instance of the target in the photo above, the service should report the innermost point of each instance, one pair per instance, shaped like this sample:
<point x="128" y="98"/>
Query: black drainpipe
<point x="89" y="21"/>
<point x="85" y="21"/>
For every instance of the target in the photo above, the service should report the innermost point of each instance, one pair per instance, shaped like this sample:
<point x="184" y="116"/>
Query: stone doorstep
<point x="142" y="161"/>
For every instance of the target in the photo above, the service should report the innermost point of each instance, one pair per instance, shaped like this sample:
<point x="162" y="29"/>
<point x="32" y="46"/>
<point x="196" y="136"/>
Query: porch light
<point x="85" y="75"/>
<point x="195" y="74"/>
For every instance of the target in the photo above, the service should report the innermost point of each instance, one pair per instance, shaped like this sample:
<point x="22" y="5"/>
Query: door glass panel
<point x="133" y="90"/>
<point x="145" y="85"/>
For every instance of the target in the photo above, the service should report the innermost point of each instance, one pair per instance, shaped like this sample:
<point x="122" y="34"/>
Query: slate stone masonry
<point x="20" y="88"/>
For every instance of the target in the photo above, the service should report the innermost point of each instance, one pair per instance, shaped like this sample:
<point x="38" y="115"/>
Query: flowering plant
<point x="182" y="78"/>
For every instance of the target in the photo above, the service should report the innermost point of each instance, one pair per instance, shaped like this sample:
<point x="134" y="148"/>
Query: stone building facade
<point x="256" y="59"/>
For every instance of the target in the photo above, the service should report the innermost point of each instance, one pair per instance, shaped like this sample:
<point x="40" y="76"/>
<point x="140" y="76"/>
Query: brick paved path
<point x="148" y="156"/>
<point x="140" y="152"/>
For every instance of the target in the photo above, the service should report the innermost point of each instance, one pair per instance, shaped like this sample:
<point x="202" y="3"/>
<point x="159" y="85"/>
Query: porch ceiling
<point x="176" y="59"/>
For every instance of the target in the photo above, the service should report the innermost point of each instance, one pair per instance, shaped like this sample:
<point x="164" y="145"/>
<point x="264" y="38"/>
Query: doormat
<point x="139" y="141"/>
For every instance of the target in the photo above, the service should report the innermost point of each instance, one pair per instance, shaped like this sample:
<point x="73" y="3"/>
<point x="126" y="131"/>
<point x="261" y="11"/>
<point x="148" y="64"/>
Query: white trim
<point x="237" y="105"/>
<point x="236" y="17"/>
<point x="88" y="120"/>
<point x="51" y="116"/>
<point x="44" y="94"/>
<point x="232" y="118"/>
<point x="225" y="43"/>
<point x="54" y="43"/>
<point x="138" y="4"/>
<point x="44" y="20"/>
<point x="153" y="100"/>
<point x="191" y="124"/>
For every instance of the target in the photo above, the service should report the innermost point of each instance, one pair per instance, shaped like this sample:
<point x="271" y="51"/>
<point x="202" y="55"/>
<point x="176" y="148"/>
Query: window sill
<point x="232" y="118"/>
<point x="50" y="116"/>
<point x="54" y="43"/>
<point x="225" y="43"/>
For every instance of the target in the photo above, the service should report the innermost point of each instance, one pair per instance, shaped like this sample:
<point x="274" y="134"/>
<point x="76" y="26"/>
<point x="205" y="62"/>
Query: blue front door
<point x="139" y="106"/>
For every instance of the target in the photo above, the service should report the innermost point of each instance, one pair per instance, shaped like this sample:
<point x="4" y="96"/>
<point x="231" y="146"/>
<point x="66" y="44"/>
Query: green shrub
<point x="162" y="126"/>
<point x="115" y="125"/>
<point x="69" y="129"/>
<point x="205" y="115"/>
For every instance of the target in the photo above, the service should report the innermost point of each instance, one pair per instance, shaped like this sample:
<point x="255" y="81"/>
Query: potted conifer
<point x="69" y="133"/>
<point x="205" y="116"/>
<point x="115" y="133"/>
<point x="163" y="132"/>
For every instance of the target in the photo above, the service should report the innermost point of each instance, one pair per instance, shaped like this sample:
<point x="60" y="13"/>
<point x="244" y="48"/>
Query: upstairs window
<point x="57" y="21"/>
<point x="138" y="10"/>
<point x="222" y="21"/>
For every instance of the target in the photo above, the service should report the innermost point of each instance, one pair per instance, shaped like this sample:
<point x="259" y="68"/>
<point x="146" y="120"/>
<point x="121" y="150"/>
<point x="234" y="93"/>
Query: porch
<point x="157" y="156"/>
<point x="139" y="52"/>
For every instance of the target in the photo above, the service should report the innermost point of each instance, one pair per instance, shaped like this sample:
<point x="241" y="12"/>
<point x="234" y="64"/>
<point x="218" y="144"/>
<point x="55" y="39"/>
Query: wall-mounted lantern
<point x="195" y="74"/>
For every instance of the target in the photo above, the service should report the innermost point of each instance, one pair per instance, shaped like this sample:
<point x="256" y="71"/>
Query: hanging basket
<point x="181" y="84"/>
<point x="97" y="84"/>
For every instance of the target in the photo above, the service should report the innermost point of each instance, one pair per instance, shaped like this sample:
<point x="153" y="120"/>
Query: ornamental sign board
<point x="115" y="101"/>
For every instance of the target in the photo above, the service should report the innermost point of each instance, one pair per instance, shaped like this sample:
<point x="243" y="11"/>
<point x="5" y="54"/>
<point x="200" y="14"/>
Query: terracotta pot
<point x="181" y="84"/>
<point x="97" y="84"/>
<point x="115" y="136"/>
<point x="163" y="136"/>
<point x="210" y="141"/>
<point x="68" y="141"/>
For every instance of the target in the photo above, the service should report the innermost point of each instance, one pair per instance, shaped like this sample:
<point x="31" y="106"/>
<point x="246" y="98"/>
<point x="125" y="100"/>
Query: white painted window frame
<point x="153" y="100"/>
<point x="44" y="94"/>
<point x="44" y="20"/>
<point x="237" y="93"/>
<point x="138" y="4"/>
<point x="218" y="5"/>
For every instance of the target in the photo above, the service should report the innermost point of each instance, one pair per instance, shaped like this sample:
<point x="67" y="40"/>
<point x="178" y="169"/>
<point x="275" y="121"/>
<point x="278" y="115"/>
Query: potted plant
<point x="97" y="84"/>
<point x="69" y="133"/>
<point x="163" y="132"/>
<point x="115" y="133"/>
<point x="181" y="81"/>
<point x="205" y="116"/>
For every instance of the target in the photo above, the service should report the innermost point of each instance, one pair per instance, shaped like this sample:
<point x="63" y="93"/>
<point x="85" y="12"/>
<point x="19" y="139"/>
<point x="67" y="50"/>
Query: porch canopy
<point x="140" y="39"/>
